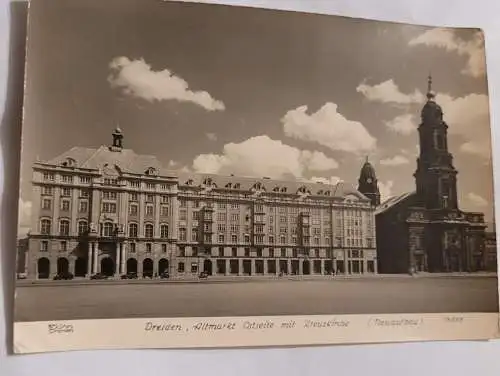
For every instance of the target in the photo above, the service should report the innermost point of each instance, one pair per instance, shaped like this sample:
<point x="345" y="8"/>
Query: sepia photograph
<point x="186" y="160"/>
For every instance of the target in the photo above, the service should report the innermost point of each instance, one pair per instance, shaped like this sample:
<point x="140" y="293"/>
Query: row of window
<point x="106" y="229"/>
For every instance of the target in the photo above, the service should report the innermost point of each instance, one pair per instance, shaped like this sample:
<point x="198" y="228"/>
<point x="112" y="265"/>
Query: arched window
<point x="132" y="230"/>
<point x="164" y="231"/>
<point x="82" y="227"/>
<point x="148" y="230"/>
<point x="45" y="225"/>
<point x="108" y="229"/>
<point x="64" y="227"/>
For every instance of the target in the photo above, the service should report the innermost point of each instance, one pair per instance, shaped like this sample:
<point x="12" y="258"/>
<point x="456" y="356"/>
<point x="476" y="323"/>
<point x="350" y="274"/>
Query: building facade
<point x="425" y="230"/>
<point x="111" y="211"/>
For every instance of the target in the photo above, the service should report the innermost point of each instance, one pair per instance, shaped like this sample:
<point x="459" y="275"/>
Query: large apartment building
<point x="111" y="211"/>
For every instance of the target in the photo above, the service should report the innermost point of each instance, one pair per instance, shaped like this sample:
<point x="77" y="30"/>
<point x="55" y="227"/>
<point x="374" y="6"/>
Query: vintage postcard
<point x="198" y="175"/>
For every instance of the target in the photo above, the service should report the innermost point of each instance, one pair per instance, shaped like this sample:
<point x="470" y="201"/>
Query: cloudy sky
<point x="222" y="89"/>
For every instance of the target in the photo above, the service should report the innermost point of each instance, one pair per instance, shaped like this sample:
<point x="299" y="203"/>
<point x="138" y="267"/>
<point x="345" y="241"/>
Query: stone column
<point x="228" y="267"/>
<point x="365" y="266"/>
<point x="240" y="266"/>
<point x="346" y="262"/>
<point x="278" y="270"/>
<point x="95" y="251"/>
<point x="118" y="260"/>
<point x="265" y="266"/>
<point x="322" y="267"/>
<point x="301" y="267"/>
<point x="252" y="267"/>
<point x="90" y="260"/>
<point x="71" y="265"/>
<point x="155" y="265"/>
<point x="122" y="257"/>
<point x="289" y="266"/>
<point x="214" y="267"/>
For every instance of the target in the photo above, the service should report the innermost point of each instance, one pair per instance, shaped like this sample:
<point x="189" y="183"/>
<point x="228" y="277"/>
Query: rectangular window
<point x="133" y="197"/>
<point x="194" y="234"/>
<point x="65" y="205"/>
<point x="183" y="215"/>
<point x="164" y="187"/>
<point x="221" y="238"/>
<point x="109" y="195"/>
<point x="150" y="186"/>
<point x="133" y="209"/>
<point x="196" y="204"/>
<point x="83" y="206"/>
<point x="196" y="215"/>
<point x="247" y="238"/>
<point x="259" y="239"/>
<point x="84" y="193"/>
<point x="66" y="192"/>
<point x="148" y="248"/>
<point x="48" y="176"/>
<point x="109" y="207"/>
<point x="259" y="228"/>
<point x="150" y="198"/>
<point x="234" y="238"/>
<point x="235" y="205"/>
<point x="182" y="234"/>
<point x="64" y="246"/>
<point x="47" y="191"/>
<point x="206" y="227"/>
<point x="221" y="227"/>
<point x="164" y="248"/>
<point x="194" y="267"/>
<point x="208" y="238"/>
<point x="221" y="217"/>
<point x="222" y="205"/>
<point x="183" y="203"/>
<point x="132" y="247"/>
<point x="108" y="181"/>
<point x="135" y="183"/>
<point x="164" y="210"/>
<point x="235" y="217"/>
<point x="164" y="199"/>
<point x="180" y="267"/>
<point x="271" y="239"/>
<point x="44" y="246"/>
<point x="46" y="204"/>
<point x="85" y="179"/>
<point x="149" y="210"/>
<point x="67" y="178"/>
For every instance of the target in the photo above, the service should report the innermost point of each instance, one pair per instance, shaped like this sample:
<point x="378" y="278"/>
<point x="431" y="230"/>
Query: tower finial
<point x="430" y="93"/>
<point x="366" y="158"/>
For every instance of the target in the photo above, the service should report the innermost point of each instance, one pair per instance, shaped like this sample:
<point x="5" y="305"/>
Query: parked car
<point x="63" y="277"/>
<point x="164" y="275"/>
<point x="129" y="276"/>
<point x="99" y="276"/>
<point x="203" y="275"/>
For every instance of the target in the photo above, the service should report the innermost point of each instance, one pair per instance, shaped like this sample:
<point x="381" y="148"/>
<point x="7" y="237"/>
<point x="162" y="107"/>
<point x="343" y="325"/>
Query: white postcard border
<point x="255" y="331"/>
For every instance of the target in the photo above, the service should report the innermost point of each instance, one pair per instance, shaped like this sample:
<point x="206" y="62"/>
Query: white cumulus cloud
<point x="476" y="199"/>
<point x="447" y="39"/>
<point x="389" y="92"/>
<point x="402" y="124"/>
<point x="136" y="78"/>
<point x="397" y="160"/>
<point x="262" y="156"/>
<point x="333" y="180"/>
<point x="329" y="128"/>
<point x="385" y="189"/>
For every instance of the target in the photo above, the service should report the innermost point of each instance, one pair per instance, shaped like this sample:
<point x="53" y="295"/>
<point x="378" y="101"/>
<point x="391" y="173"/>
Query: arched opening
<point x="234" y="266"/>
<point x="259" y="266"/>
<point x="295" y="267"/>
<point x="107" y="266"/>
<point x="247" y="267"/>
<point x="306" y="267"/>
<point x="162" y="266"/>
<point x="207" y="267"/>
<point x="131" y="265"/>
<point x="43" y="266"/>
<point x="284" y="266"/>
<point x="62" y="266"/>
<point x="271" y="267"/>
<point x="80" y="267"/>
<point x="147" y="268"/>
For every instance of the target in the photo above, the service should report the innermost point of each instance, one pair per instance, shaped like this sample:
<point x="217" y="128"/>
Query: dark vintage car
<point x="63" y="277"/>
<point x="164" y="275"/>
<point x="129" y="276"/>
<point x="99" y="276"/>
<point x="203" y="275"/>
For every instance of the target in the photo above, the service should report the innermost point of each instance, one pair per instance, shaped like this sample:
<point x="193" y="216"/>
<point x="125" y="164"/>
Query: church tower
<point x="435" y="176"/>
<point x="367" y="183"/>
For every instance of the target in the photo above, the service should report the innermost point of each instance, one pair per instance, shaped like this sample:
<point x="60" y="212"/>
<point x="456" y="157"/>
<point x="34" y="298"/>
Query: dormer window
<point x="228" y="186"/>
<point x="237" y="186"/>
<point x="276" y="189"/>
<point x="283" y="190"/>
<point x="68" y="162"/>
<point x="190" y="182"/>
<point x="151" y="171"/>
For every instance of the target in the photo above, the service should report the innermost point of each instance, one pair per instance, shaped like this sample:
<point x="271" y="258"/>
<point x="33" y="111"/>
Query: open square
<point x="401" y="294"/>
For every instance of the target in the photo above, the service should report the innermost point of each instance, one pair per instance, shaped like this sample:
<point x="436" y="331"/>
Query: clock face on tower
<point x="369" y="180"/>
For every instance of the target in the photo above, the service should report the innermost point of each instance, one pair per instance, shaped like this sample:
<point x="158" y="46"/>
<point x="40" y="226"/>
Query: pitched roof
<point x="130" y="162"/>
<point x="246" y="183"/>
<point x="391" y="201"/>
<point x="126" y="159"/>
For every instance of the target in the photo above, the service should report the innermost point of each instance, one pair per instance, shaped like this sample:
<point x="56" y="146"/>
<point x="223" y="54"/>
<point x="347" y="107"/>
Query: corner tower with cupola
<point x="368" y="184"/>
